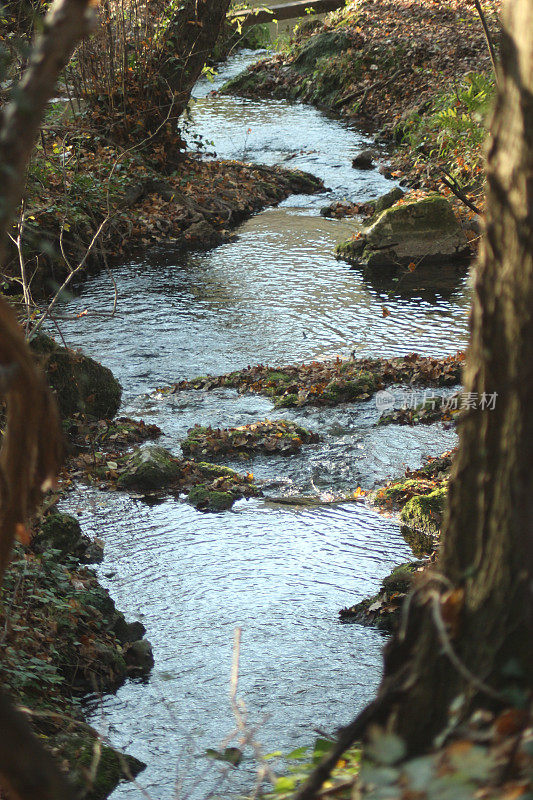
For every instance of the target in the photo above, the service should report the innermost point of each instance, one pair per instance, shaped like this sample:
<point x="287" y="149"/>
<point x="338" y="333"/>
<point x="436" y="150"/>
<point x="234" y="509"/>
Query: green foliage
<point x="453" y="130"/>
<point x="55" y="618"/>
<point x="301" y="762"/>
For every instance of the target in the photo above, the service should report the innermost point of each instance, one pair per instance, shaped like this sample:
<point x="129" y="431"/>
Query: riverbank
<point x="418" y="75"/>
<point x="62" y="634"/>
<point x="90" y="204"/>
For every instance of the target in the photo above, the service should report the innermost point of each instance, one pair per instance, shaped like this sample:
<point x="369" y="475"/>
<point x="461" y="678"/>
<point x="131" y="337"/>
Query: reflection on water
<point x="281" y="574"/>
<point x="276" y="295"/>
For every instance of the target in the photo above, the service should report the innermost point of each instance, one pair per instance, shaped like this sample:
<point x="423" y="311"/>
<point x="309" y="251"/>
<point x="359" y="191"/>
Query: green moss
<point x="149" y="469"/>
<point x="213" y="471"/>
<point x="78" y="750"/>
<point x="320" y="46"/>
<point x="286" y="401"/>
<point x="60" y="532"/>
<point x="400" y="578"/>
<point x="344" y="391"/>
<point x="206" y="499"/>
<point x="424" y="512"/>
<point x="396" y="492"/>
<point x="246" y="83"/>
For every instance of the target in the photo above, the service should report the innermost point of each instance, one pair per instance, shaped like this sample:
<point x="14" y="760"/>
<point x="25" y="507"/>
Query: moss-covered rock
<point x="278" y="436"/>
<point x="383" y="610"/>
<point x="388" y="199"/>
<point x="213" y="471"/>
<point x="246" y="83"/>
<point x="204" y="498"/>
<point x="139" y="657"/>
<point x="82" y="751"/>
<point x="62" y="532"/>
<point x="79" y="383"/>
<point x="414" y="232"/>
<point x="424" y="513"/>
<point x="321" y="45"/>
<point x="149" y="469"/>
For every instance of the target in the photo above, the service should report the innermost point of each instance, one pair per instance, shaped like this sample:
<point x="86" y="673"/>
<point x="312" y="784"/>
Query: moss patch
<point x="384" y="608"/>
<point x="206" y="499"/>
<point x="424" y="513"/>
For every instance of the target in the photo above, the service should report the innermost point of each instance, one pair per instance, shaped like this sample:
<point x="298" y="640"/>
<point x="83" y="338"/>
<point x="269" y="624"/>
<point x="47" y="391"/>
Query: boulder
<point x="204" y="498"/>
<point x="139" y="657"/>
<point x="79" y="383"/>
<point x="62" y="532"/>
<point x="363" y="160"/>
<point x="388" y="199"/>
<point x="203" y="234"/>
<point x="148" y="469"/>
<point x="422" y="231"/>
<point x="93" y="779"/>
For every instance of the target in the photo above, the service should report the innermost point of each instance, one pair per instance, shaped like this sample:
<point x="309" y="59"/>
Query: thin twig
<point x="452" y="185"/>
<point x="488" y="37"/>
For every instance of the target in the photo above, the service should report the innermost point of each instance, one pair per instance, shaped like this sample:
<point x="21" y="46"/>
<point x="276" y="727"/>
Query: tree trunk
<point x="484" y="610"/>
<point x="466" y="632"/>
<point x="66" y="23"/>
<point x="194" y="32"/>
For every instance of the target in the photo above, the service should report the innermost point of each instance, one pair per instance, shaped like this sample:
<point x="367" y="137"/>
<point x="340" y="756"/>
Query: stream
<point x="281" y="572"/>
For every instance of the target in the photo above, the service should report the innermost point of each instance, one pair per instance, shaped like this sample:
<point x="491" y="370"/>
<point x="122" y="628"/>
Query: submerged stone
<point x="415" y="232"/>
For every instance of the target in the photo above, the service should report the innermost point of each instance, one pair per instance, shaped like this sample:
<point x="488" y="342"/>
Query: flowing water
<point x="276" y="294"/>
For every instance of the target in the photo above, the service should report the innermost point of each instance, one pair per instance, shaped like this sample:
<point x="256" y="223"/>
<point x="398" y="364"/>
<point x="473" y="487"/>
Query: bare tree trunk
<point x="65" y="24"/>
<point x="469" y="627"/>
<point x="195" y="31"/>
<point x="487" y="553"/>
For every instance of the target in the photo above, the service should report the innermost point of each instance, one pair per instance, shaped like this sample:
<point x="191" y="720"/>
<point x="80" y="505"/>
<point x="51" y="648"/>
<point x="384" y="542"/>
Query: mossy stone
<point x="79" y="383"/>
<point x="245" y="83"/>
<point x="148" y="469"/>
<point x="422" y="231"/>
<point x="62" y="532"/>
<point x="400" y="578"/>
<point x="424" y="512"/>
<point x="78" y="750"/>
<point x="206" y="499"/>
<point x="388" y="199"/>
<point x="213" y="471"/>
<point x="139" y="657"/>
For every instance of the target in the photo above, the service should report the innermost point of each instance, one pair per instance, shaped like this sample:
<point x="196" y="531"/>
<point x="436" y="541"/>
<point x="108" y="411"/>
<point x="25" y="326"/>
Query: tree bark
<point x="467" y="630"/>
<point x="194" y="31"/>
<point x="65" y="24"/>
<point x="487" y="551"/>
<point x="30" y="452"/>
